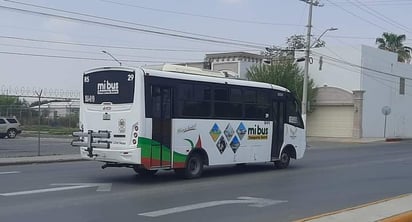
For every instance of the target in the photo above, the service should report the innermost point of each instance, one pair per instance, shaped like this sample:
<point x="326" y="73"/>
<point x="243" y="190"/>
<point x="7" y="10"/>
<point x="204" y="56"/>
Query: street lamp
<point x="107" y="53"/>
<point x="323" y="33"/>
<point x="306" y="73"/>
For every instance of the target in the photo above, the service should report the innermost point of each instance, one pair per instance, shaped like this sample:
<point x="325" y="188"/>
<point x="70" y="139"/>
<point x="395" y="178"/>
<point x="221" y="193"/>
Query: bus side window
<point x="156" y="102"/>
<point x="275" y="112"/>
<point x="293" y="116"/>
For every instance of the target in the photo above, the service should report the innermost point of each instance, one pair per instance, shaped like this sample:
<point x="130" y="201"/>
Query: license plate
<point x="106" y="116"/>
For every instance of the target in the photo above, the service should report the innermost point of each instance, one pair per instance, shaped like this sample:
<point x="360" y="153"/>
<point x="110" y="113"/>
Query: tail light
<point x="135" y="133"/>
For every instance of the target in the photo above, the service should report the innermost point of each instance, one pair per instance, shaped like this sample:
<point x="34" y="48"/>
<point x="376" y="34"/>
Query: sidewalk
<point x="387" y="210"/>
<point x="39" y="159"/>
<point x="344" y="140"/>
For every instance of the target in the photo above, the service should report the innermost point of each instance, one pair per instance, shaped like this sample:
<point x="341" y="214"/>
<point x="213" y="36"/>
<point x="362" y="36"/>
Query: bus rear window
<point x="114" y="86"/>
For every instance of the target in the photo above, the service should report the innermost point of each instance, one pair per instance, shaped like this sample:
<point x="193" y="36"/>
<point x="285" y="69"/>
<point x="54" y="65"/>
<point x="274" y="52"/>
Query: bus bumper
<point x="127" y="156"/>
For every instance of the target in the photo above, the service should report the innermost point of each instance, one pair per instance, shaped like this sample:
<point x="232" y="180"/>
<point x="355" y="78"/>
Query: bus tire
<point x="144" y="172"/>
<point x="194" y="167"/>
<point x="283" y="161"/>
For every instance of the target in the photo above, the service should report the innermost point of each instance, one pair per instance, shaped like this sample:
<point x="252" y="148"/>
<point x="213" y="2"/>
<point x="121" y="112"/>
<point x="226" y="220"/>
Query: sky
<point x="48" y="44"/>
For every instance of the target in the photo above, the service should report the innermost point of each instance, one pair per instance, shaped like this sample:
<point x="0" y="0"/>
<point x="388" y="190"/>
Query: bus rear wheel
<point x="193" y="169"/>
<point x="283" y="161"/>
<point x="144" y="172"/>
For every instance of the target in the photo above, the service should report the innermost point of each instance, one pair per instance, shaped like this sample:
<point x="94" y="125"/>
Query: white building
<point x="355" y="83"/>
<point x="58" y="109"/>
<point x="237" y="62"/>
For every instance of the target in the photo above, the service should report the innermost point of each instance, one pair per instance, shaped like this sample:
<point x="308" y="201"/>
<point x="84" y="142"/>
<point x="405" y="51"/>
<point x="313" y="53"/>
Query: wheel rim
<point x="194" y="166"/>
<point x="284" y="158"/>
<point x="12" y="134"/>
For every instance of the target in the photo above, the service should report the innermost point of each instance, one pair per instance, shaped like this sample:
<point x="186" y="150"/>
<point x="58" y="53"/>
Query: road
<point x="327" y="179"/>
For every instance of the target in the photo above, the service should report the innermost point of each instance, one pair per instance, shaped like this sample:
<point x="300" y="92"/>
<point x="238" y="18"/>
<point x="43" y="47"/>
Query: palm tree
<point x="394" y="43"/>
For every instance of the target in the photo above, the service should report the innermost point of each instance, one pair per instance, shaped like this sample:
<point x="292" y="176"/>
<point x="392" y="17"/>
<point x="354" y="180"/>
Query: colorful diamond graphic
<point x="215" y="132"/>
<point x="229" y="132"/>
<point x="235" y="144"/>
<point x="221" y="144"/>
<point x="241" y="131"/>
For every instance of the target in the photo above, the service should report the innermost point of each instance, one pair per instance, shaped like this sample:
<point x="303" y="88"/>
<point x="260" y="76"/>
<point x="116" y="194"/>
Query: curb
<point x="39" y="160"/>
<point x="393" y="139"/>
<point x="403" y="217"/>
<point x="401" y="213"/>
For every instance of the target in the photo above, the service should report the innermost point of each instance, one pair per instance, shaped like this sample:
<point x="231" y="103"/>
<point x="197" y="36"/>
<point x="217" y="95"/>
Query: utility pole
<point x="38" y="93"/>
<point x="307" y="53"/>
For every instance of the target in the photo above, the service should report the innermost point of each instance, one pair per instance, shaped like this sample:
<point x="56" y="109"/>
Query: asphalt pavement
<point x="25" y="149"/>
<point x="332" y="176"/>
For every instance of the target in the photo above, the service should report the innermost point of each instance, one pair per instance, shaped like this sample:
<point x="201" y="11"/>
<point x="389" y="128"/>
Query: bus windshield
<point x="114" y="86"/>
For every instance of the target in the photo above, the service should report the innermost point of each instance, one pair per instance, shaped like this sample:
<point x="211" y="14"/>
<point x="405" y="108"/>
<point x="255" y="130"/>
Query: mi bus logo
<point x="257" y="133"/>
<point x="107" y="87"/>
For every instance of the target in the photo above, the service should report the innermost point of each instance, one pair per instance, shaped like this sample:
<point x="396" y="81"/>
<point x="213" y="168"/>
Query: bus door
<point x="278" y="128"/>
<point x="161" y="126"/>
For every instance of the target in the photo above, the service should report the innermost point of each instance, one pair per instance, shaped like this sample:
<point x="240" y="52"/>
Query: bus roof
<point x="212" y="79"/>
<point x="194" y="77"/>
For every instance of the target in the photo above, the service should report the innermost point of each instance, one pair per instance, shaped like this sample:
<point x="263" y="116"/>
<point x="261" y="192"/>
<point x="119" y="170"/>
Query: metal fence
<point x="59" y="116"/>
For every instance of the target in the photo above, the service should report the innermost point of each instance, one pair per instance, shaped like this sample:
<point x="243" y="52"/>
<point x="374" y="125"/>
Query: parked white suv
<point x="10" y="127"/>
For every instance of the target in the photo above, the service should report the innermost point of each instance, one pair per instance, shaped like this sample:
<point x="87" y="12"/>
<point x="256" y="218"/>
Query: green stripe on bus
<point x="151" y="149"/>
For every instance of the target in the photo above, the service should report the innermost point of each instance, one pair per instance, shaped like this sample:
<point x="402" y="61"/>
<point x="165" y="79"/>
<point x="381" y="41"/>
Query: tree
<point x="9" y="105"/>
<point x="294" y="42"/>
<point x="284" y="73"/>
<point x="394" y="43"/>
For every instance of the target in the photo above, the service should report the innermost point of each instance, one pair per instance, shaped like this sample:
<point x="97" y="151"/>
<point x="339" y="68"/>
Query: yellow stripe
<point x="351" y="208"/>
<point x="403" y="217"/>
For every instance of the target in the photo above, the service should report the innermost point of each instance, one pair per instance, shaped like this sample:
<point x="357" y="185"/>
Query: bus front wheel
<point x="283" y="161"/>
<point x="193" y="169"/>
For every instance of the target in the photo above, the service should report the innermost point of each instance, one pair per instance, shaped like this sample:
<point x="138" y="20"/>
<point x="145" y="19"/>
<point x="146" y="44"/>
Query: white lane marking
<point x="10" y="172"/>
<point x="69" y="186"/>
<point x="101" y="187"/>
<point x="252" y="201"/>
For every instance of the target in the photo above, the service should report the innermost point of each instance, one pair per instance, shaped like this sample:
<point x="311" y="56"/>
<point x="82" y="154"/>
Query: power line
<point x="132" y="28"/>
<point x="381" y="3"/>
<point x="126" y="22"/>
<point x="383" y="15"/>
<point x="102" y="46"/>
<point x="199" y="15"/>
<point x="353" y="37"/>
<point x="377" y="15"/>
<point x="357" y="16"/>
<point x="80" y="51"/>
<point x="349" y="37"/>
<point x="360" y="66"/>
<point x="77" y="58"/>
<point x="374" y="77"/>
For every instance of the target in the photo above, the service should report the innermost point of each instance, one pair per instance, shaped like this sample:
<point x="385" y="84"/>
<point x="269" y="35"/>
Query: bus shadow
<point x="168" y="176"/>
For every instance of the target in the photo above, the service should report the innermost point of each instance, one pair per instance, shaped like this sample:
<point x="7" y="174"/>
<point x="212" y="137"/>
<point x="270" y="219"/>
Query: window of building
<point x="402" y="86"/>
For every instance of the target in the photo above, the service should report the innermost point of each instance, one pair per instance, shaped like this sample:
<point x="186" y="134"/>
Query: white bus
<point x="150" y="119"/>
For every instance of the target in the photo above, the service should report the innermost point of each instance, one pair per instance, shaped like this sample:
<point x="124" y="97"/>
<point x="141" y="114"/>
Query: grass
<point x="45" y="129"/>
